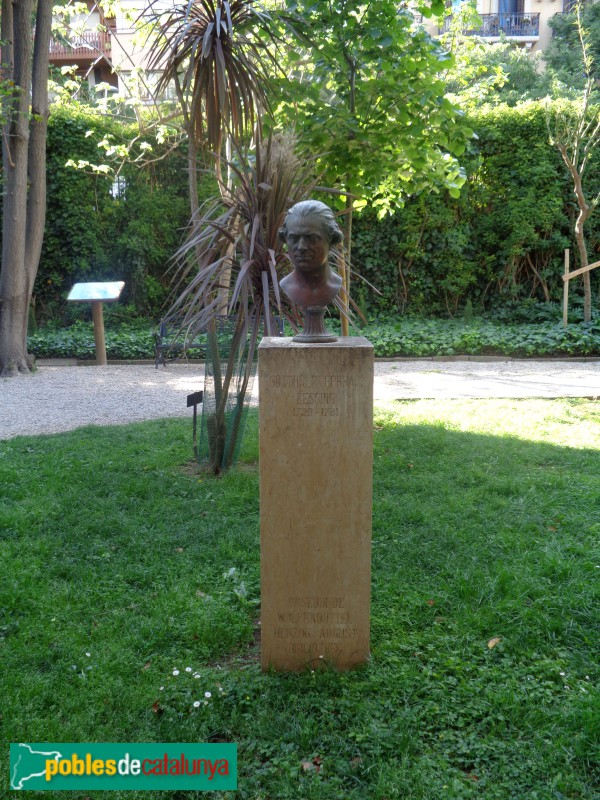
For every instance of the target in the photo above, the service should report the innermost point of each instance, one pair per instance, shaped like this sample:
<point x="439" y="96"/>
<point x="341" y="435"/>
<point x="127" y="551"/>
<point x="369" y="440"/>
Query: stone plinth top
<point x="342" y="341"/>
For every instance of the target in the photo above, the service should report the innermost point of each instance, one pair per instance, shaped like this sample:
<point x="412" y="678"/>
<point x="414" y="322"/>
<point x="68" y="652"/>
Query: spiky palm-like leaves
<point x="237" y="234"/>
<point x="215" y="51"/>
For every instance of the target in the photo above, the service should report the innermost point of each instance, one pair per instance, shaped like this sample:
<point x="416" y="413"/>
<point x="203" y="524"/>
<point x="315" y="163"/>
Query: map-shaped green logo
<point x="27" y="764"/>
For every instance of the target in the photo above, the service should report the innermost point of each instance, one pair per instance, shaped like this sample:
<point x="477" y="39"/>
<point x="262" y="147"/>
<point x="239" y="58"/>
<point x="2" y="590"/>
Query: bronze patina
<point x="310" y="230"/>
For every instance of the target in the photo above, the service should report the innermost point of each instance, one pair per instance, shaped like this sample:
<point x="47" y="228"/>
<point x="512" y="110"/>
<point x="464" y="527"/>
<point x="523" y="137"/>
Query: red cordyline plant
<point x="234" y="243"/>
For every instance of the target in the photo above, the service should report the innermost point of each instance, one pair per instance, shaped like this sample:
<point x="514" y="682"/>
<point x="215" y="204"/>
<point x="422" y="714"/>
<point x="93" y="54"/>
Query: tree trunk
<point x="24" y="163"/>
<point x="583" y="257"/>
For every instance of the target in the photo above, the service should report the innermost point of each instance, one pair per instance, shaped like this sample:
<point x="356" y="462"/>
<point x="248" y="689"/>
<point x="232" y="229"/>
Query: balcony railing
<point x="89" y="44"/>
<point x="509" y="23"/>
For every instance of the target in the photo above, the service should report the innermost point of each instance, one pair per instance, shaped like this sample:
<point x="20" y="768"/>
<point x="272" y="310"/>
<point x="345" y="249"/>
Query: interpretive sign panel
<point x="106" y="292"/>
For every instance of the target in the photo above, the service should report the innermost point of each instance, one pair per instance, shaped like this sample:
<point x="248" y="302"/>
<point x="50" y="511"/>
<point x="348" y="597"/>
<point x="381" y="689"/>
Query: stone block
<point x="316" y="466"/>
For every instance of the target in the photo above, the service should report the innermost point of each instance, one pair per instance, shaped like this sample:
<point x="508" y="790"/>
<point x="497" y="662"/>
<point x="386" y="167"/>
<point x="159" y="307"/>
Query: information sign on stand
<point x="96" y="294"/>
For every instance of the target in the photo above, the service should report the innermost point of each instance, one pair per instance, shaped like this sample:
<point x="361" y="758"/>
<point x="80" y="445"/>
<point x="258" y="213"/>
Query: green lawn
<point x="119" y="566"/>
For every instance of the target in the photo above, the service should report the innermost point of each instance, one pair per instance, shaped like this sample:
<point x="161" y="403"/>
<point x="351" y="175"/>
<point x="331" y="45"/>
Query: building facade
<point x="106" y="49"/>
<point x="525" y="22"/>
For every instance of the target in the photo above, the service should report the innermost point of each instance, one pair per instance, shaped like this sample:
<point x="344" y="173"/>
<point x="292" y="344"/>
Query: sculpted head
<point x="318" y="215"/>
<point x="309" y="230"/>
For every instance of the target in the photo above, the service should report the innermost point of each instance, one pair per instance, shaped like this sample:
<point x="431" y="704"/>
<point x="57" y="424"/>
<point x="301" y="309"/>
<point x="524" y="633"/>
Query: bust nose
<point x="302" y="244"/>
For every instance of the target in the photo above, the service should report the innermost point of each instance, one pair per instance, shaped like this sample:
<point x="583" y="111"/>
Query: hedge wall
<point x="503" y="238"/>
<point x="92" y="234"/>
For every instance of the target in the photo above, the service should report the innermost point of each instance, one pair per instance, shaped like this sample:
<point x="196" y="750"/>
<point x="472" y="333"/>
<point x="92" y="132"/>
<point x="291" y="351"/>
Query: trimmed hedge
<point x="503" y="239"/>
<point x="93" y="235"/>
<point x="96" y="233"/>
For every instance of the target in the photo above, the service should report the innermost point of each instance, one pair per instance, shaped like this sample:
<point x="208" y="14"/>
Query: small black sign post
<point x="194" y="400"/>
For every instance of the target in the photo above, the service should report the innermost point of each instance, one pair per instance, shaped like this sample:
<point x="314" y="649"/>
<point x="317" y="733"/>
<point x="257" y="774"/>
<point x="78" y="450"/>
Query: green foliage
<point x="563" y="54"/>
<point x="526" y="329"/>
<point x="366" y="91"/>
<point x="419" y="338"/>
<point x="126" y="340"/>
<point x="483" y="681"/>
<point x="503" y="238"/>
<point x="422" y="258"/>
<point x="75" y="240"/>
<point x="95" y="231"/>
<point x="499" y="72"/>
<point x="484" y="72"/>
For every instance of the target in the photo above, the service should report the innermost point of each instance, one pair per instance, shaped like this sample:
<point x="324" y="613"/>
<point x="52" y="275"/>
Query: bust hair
<point x="314" y="208"/>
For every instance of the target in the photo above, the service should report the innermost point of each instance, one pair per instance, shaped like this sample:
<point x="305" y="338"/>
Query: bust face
<point x="308" y="244"/>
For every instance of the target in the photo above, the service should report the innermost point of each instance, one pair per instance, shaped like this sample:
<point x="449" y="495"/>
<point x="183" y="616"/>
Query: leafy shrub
<point x="419" y="338"/>
<point x="133" y="340"/>
<point x="503" y="239"/>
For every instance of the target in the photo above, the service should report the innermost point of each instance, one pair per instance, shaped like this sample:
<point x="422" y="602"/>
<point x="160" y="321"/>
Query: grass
<point x="119" y="565"/>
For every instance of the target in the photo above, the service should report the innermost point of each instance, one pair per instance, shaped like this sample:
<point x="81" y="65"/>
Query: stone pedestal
<point x="316" y="466"/>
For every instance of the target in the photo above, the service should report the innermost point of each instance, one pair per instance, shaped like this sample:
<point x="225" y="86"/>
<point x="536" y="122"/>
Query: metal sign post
<point x="194" y="400"/>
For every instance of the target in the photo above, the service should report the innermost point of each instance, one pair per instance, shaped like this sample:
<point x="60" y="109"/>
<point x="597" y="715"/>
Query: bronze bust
<point x="309" y="230"/>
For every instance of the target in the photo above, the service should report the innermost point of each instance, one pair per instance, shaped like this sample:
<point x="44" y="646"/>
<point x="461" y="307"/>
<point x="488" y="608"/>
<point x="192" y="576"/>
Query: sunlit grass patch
<point x="571" y="422"/>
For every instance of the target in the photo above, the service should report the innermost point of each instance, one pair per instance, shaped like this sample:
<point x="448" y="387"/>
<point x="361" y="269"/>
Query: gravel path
<point x="61" y="398"/>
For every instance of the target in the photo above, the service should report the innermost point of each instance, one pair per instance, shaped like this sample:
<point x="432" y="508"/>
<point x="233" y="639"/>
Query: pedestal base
<point x="314" y="327"/>
<point x="316" y="463"/>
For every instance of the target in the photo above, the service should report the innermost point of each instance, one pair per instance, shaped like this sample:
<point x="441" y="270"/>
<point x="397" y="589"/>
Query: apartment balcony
<point x="513" y="25"/>
<point x="85" y="47"/>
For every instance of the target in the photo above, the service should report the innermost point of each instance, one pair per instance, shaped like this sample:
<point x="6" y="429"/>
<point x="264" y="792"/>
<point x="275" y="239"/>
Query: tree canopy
<point x="365" y="90"/>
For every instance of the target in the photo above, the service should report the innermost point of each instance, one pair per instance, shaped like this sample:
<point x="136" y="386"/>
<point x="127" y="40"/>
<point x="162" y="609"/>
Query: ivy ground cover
<point x="409" y="337"/>
<point x="129" y="609"/>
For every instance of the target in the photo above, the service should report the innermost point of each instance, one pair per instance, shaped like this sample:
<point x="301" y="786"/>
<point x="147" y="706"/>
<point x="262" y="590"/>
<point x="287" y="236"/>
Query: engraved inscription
<point x="316" y="398"/>
<point x="291" y="633"/>
<point x="316" y="602"/>
<point x="317" y="395"/>
<point x="313" y="650"/>
<point x="313" y="382"/>
<point x="314" y="617"/>
<point x="307" y="411"/>
<point x="315" y="627"/>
